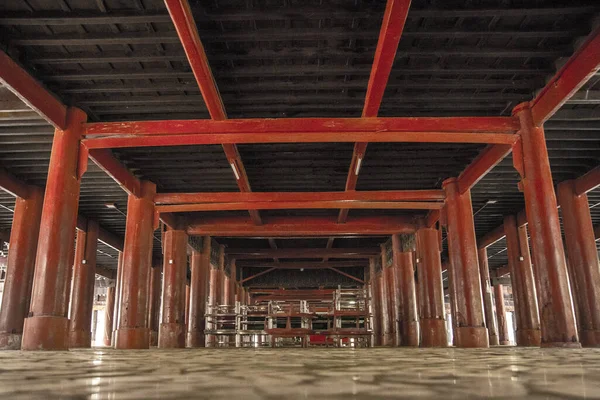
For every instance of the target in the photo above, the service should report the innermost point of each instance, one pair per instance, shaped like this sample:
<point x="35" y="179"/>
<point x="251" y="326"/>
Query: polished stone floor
<point x="301" y="374"/>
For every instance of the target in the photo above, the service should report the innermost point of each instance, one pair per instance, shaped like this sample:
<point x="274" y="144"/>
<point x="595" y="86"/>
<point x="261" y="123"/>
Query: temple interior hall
<point x="293" y="199"/>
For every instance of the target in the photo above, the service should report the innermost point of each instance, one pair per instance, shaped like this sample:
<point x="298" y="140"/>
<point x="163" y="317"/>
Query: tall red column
<point x="47" y="326"/>
<point x="223" y="278"/>
<point x="16" y="295"/>
<point x="200" y="267"/>
<point x="232" y="282"/>
<point x="488" y="299"/>
<point x="403" y="247"/>
<point x="154" y="303"/>
<point x="375" y="303"/>
<point x="550" y="269"/>
<point x="501" y="314"/>
<point x="524" y="292"/>
<point x="171" y="333"/>
<point x="393" y="338"/>
<point x="462" y="249"/>
<point x="384" y="300"/>
<point x="187" y="304"/>
<point x="133" y="332"/>
<point x="82" y="293"/>
<point x="109" y="312"/>
<point x="213" y="295"/>
<point x="583" y="262"/>
<point x="453" y="300"/>
<point x="431" y="294"/>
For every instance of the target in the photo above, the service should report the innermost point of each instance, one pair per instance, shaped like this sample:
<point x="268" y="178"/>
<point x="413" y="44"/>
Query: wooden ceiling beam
<point x="31" y="92"/>
<point x="250" y="254"/>
<point x="107" y="162"/>
<point x="186" y="28"/>
<point x="582" y="65"/>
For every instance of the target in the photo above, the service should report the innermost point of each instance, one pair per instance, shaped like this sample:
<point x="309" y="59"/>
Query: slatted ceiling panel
<point x="289" y="279"/>
<point x="301" y="167"/>
<point x="106" y="256"/>
<point x="182" y="169"/>
<point x="243" y="243"/>
<point x="407" y="166"/>
<point x="497" y="255"/>
<point x="7" y="205"/>
<point x="386" y="212"/>
<point x="314" y="243"/>
<point x="354" y="242"/>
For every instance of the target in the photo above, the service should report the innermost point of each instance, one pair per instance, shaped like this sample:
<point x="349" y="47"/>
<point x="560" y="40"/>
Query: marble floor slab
<point x="301" y="374"/>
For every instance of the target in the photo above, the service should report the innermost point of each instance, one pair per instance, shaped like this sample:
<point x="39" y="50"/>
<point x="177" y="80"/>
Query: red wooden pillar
<point x="375" y="303"/>
<point x="488" y="298"/>
<point x="200" y="267"/>
<point x="82" y="293"/>
<point x="501" y="314"/>
<point x="384" y="300"/>
<point x="550" y="269"/>
<point x="118" y="289"/>
<point x="223" y="286"/>
<point x="171" y="332"/>
<point x="583" y="261"/>
<point x="109" y="312"/>
<point x="462" y="249"/>
<point x="154" y="303"/>
<point x="133" y="332"/>
<point x="232" y="282"/>
<point x="408" y="317"/>
<point x="392" y="297"/>
<point x="213" y="295"/>
<point x="431" y="302"/>
<point x="187" y="304"/>
<point x="16" y="295"/>
<point x="453" y="300"/>
<point x="47" y="326"/>
<point x="524" y="292"/>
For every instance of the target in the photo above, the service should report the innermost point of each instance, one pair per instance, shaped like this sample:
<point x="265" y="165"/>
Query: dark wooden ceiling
<point x="122" y="60"/>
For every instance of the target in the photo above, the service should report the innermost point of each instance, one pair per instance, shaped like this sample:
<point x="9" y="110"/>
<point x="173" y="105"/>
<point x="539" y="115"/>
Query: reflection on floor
<point x="301" y="374"/>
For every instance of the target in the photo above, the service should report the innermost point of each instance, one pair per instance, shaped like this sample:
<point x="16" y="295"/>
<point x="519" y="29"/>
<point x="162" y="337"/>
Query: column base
<point x="528" y="337"/>
<point x="153" y="338"/>
<point x="411" y="338"/>
<point x="80" y="339"/>
<point x="590" y="338"/>
<point x="10" y="341"/>
<point x="494" y="340"/>
<point x="132" y="338"/>
<point x="171" y="336"/>
<point x="195" y="339"/>
<point x="433" y="333"/>
<point x="473" y="337"/>
<point x="45" y="332"/>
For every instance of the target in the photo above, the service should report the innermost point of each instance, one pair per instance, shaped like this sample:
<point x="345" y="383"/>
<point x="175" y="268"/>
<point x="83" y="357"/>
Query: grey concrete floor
<point x="302" y="374"/>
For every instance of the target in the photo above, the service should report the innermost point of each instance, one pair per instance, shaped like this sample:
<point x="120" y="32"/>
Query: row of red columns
<point x="48" y="325"/>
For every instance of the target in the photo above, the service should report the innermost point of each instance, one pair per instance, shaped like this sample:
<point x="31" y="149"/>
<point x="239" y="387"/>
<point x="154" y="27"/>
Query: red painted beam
<point x="584" y="64"/>
<point x="303" y="265"/>
<point x="13" y="185"/>
<point x="31" y="92"/>
<point x="252" y="254"/>
<point x="588" y="182"/>
<point x="300" y="226"/>
<point x="491" y="237"/>
<point x="207" y="138"/>
<point x="392" y="26"/>
<point x="223" y="197"/>
<point x="483" y="163"/>
<point x="182" y="18"/>
<point x="104" y="236"/>
<point x="324" y="126"/>
<point x="347" y="275"/>
<point x="291" y="205"/>
<point x="258" y="274"/>
<point x="104" y="159"/>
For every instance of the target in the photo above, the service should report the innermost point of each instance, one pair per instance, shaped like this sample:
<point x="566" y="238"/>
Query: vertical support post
<point x="386" y="324"/>
<point x="16" y="295"/>
<point x="464" y="267"/>
<point x="524" y="292"/>
<point x="118" y="289"/>
<point x="213" y="294"/>
<point x="47" y="325"/>
<point x="453" y="300"/>
<point x="501" y="314"/>
<point x="187" y="304"/>
<point x="82" y="293"/>
<point x="222" y="297"/>
<point x="431" y="294"/>
<point x="403" y="247"/>
<point x="171" y="333"/>
<point x="109" y="312"/>
<point x="154" y="303"/>
<point x="583" y="262"/>
<point x="200" y="266"/>
<point x="488" y="298"/>
<point x="375" y="303"/>
<point x="393" y="338"/>
<point x="133" y="332"/>
<point x="232" y="282"/>
<point x="550" y="269"/>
